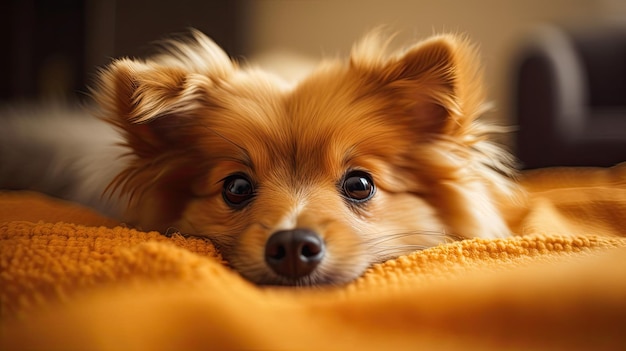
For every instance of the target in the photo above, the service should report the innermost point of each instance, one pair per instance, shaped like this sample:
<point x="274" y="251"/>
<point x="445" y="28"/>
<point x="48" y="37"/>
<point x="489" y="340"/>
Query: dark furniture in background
<point x="52" y="48"/>
<point x="570" y="97"/>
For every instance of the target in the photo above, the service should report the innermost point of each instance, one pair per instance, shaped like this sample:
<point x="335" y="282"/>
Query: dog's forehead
<point x="316" y="127"/>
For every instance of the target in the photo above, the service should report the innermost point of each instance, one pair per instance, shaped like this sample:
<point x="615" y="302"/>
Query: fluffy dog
<point x="304" y="183"/>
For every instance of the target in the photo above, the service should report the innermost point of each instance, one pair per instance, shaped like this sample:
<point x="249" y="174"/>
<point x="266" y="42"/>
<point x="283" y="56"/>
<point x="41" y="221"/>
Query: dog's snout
<point x="294" y="253"/>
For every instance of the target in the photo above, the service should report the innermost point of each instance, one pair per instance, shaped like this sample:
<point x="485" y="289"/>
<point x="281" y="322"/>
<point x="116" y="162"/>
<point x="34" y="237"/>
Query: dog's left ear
<point x="436" y="85"/>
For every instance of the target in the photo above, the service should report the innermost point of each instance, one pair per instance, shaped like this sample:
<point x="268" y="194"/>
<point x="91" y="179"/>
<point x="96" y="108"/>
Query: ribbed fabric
<point x="92" y="285"/>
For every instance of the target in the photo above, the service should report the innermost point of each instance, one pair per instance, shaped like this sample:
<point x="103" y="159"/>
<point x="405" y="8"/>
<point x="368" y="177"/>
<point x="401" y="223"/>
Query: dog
<point x="296" y="183"/>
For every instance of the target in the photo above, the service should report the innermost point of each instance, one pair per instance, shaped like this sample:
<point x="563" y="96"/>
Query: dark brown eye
<point x="237" y="191"/>
<point x="357" y="186"/>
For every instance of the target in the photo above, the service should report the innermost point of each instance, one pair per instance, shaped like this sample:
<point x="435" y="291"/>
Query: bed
<point x="72" y="279"/>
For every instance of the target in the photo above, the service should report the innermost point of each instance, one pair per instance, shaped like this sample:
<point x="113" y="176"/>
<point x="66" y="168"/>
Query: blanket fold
<point x="71" y="279"/>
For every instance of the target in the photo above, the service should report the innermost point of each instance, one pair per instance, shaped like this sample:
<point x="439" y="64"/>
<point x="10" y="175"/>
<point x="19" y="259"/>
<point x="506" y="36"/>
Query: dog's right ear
<point x="148" y="99"/>
<point x="160" y="105"/>
<point x="138" y="92"/>
<point x="143" y="99"/>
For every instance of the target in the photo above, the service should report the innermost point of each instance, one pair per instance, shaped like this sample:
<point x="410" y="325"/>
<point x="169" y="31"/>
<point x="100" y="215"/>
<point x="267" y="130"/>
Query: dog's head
<point x="363" y="160"/>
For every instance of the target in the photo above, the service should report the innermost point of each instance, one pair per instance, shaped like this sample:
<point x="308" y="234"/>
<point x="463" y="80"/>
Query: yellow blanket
<point x="71" y="279"/>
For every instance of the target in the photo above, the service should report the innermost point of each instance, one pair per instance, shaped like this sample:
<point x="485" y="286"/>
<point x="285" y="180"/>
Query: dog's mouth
<point x="315" y="278"/>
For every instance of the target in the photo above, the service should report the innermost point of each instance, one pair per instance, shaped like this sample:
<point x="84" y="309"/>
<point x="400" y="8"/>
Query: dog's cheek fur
<point x="400" y="223"/>
<point x="210" y="217"/>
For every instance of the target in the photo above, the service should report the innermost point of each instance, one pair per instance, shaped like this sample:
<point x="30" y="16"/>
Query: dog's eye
<point x="237" y="191"/>
<point x="358" y="186"/>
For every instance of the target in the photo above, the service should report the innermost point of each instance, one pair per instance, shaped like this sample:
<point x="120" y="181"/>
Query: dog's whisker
<point x="394" y="252"/>
<point x="379" y="238"/>
<point x="398" y="250"/>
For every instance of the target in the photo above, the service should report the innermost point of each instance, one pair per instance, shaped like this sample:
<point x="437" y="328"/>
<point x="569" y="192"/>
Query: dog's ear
<point x="159" y="105"/>
<point x="436" y="83"/>
<point x="143" y="100"/>
<point x="150" y="100"/>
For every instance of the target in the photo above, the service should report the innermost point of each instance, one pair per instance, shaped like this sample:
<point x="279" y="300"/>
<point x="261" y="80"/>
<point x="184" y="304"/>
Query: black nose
<point x="294" y="253"/>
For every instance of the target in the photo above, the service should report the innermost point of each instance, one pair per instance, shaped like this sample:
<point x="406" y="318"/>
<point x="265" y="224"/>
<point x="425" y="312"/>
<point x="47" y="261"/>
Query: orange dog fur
<point x="363" y="160"/>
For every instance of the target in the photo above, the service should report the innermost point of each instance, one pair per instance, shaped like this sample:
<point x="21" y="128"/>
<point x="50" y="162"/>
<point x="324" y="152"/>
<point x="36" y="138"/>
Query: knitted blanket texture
<point x="72" y="279"/>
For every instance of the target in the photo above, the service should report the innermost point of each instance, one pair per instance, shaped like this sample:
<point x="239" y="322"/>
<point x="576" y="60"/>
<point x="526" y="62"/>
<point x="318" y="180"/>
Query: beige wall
<point x="318" y="28"/>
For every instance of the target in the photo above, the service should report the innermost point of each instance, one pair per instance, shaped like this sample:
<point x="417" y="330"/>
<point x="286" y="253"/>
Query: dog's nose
<point x="294" y="253"/>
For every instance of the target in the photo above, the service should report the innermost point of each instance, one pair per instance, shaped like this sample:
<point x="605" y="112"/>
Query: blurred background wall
<point x="51" y="48"/>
